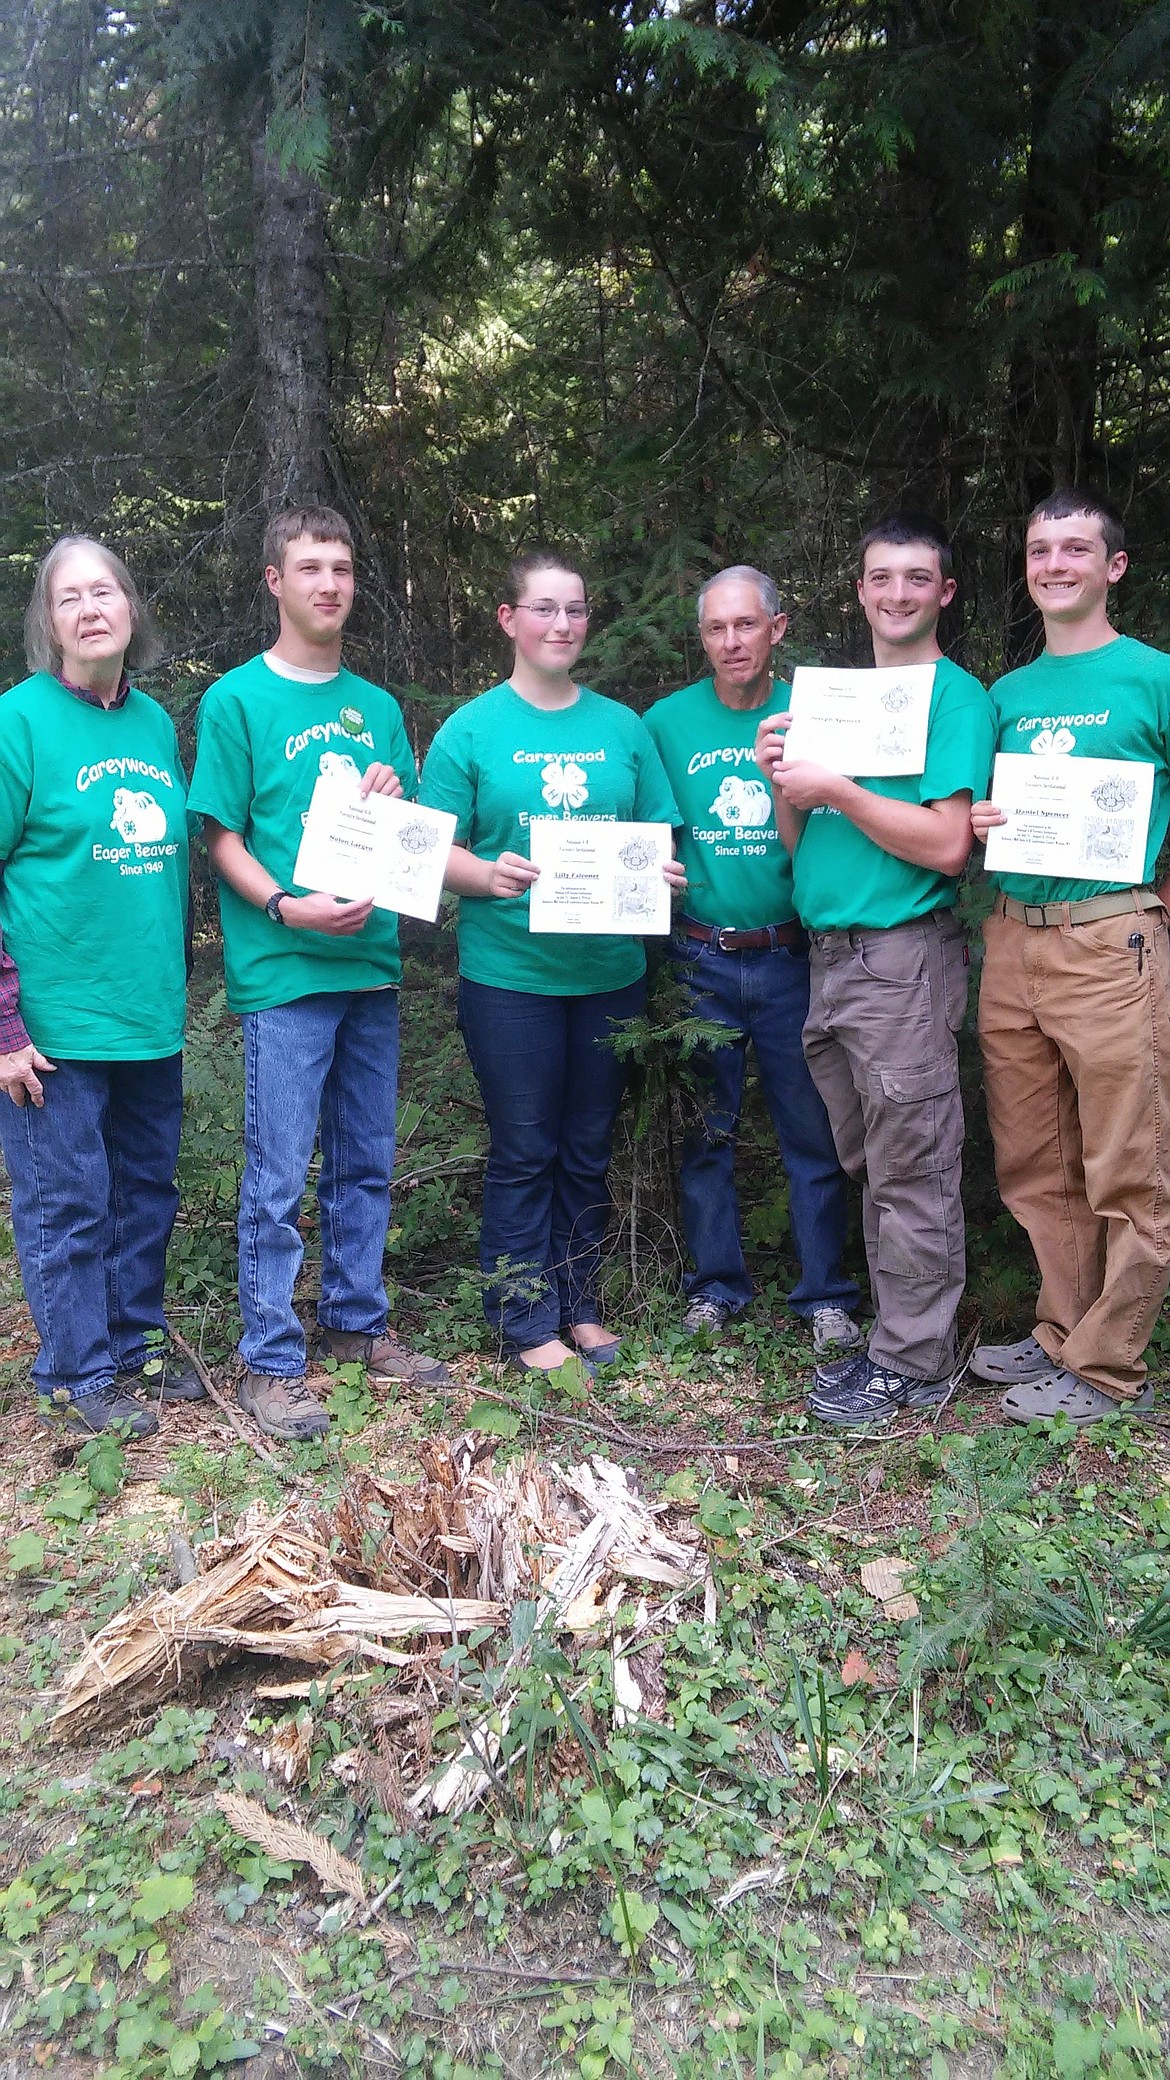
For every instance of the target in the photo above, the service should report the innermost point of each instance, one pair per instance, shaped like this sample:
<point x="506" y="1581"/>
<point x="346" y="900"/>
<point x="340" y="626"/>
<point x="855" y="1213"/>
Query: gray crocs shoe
<point x="1063" y="1393"/>
<point x="1004" y="1364"/>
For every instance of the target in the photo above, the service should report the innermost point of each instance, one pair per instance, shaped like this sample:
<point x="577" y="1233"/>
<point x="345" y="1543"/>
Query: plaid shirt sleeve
<point x="13" y="1031"/>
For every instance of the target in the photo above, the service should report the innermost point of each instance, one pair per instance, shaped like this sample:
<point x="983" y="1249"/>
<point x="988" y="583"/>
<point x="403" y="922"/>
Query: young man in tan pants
<point x="1074" y="1001"/>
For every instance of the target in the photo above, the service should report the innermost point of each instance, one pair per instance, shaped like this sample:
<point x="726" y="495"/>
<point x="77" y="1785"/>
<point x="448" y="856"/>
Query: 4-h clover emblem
<point x="895" y="699"/>
<point x="565" y="786"/>
<point x="417" y="837"/>
<point x="1053" y="741"/>
<point x="1113" y="795"/>
<point x="637" y="855"/>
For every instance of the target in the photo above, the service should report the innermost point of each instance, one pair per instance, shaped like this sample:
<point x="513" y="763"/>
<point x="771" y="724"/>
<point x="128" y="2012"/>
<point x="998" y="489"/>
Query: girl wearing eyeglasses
<point x="536" y="1009"/>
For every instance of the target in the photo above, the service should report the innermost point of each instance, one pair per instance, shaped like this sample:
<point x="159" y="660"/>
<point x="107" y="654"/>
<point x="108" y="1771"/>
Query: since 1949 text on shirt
<point x="93" y="901"/>
<point x="738" y="872"/>
<point x="263" y="741"/>
<point x="1108" y="703"/>
<point x="500" y="761"/>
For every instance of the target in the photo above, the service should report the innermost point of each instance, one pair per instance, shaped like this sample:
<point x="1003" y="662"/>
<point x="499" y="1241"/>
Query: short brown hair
<point x="1072" y="504"/>
<point x="41" y="648"/>
<point x="908" y="530"/>
<point x="543" y="556"/>
<point x="320" y="523"/>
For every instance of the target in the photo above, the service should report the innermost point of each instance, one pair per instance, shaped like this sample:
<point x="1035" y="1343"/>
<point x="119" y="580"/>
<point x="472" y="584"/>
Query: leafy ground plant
<point x="837" y="1844"/>
<point x="831" y="1841"/>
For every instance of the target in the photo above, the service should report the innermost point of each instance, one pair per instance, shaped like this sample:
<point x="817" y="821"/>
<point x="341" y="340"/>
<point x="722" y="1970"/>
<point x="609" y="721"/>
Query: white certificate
<point x="869" y="725"/>
<point x="379" y="847"/>
<point x="1076" y="819"/>
<point x="598" y="877"/>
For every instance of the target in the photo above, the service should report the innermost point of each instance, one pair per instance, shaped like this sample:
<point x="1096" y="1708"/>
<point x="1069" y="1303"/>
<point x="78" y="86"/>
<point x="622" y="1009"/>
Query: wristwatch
<point x="274" y="902"/>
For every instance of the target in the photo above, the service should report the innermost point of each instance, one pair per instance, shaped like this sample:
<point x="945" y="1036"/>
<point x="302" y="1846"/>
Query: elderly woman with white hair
<point x="93" y="903"/>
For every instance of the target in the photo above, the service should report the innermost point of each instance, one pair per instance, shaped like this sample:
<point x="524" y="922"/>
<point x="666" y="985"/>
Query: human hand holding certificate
<point x="868" y="725"/>
<point x="1083" y="819"/>
<point x="598" y="877"/>
<point x="375" y="848"/>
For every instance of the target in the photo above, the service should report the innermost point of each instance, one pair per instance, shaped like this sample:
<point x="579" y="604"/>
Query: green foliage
<point x="163" y="1893"/>
<point x="174" y="1743"/>
<point x="349" y="1400"/>
<point x="26" y="1553"/>
<point x="492" y="1420"/>
<point x="213" y="1486"/>
<point x="98" y="1475"/>
<point x="201" y="1257"/>
<point x="1152" y="1627"/>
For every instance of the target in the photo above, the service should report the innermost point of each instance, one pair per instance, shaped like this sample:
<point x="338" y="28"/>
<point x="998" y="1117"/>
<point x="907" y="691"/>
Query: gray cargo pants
<point x="884" y="1010"/>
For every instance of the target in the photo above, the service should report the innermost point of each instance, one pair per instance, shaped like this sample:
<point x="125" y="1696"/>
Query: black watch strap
<point x="274" y="902"/>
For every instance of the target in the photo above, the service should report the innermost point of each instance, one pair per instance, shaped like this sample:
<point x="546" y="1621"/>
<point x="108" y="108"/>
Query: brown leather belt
<point x="1087" y="911"/>
<point x="727" y="939"/>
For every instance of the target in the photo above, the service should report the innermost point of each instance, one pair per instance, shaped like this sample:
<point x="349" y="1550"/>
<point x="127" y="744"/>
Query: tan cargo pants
<point x="884" y="1010"/>
<point x="1076" y="1053"/>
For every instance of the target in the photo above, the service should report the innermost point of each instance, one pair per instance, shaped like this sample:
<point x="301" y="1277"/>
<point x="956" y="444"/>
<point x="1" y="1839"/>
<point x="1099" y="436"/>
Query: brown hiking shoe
<point x="383" y="1357"/>
<point x="282" y="1407"/>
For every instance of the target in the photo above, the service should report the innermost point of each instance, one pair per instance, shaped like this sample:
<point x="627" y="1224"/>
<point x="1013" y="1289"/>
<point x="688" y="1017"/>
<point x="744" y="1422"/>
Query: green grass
<point x="843" y="1845"/>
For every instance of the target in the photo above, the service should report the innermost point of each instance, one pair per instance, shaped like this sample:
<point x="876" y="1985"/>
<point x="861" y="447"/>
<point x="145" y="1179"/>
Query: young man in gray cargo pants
<point x="876" y="866"/>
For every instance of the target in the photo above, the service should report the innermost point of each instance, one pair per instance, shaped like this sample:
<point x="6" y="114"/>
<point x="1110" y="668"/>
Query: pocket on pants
<point x="919" y="1124"/>
<point x="920" y="1233"/>
<point x="897" y="959"/>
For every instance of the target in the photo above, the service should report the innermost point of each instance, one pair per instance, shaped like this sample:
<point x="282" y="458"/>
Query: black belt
<point x="727" y="939"/>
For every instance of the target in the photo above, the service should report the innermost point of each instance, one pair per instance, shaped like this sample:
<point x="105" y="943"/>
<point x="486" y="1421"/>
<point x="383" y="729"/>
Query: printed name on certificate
<point x="1071" y="819"/>
<point x="597" y="876"/>
<point x="376" y="848"/>
<point x="866" y="725"/>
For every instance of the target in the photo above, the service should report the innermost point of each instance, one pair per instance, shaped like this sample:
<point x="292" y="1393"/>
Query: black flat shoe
<point x="599" y="1354"/>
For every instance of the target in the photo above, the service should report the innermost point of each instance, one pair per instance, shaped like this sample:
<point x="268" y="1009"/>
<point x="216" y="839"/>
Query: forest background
<point x="683" y="284"/>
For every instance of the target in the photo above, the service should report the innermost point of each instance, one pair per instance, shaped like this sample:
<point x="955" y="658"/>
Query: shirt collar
<point x="94" y="700"/>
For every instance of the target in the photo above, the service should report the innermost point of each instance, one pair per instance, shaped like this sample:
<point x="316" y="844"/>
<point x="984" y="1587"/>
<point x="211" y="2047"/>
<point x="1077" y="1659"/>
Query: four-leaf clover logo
<point x="565" y="786"/>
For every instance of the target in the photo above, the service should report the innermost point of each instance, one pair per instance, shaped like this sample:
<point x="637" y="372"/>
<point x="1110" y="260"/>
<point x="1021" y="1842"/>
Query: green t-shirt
<point x="500" y="761"/>
<point x="1107" y="703"/>
<point x="263" y="741"/>
<point x="93" y="900"/>
<point x="844" y="881"/>
<point x="738" y="872"/>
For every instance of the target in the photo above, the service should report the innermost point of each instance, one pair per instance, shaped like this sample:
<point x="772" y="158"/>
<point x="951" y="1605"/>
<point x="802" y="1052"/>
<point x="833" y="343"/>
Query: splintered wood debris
<point x="432" y="1561"/>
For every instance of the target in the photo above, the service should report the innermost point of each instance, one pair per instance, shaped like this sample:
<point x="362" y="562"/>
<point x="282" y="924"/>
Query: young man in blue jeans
<point x="315" y="980"/>
<point x="742" y="956"/>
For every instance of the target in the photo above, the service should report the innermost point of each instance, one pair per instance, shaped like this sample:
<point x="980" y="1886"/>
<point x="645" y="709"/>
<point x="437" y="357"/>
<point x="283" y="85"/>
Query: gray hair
<point x="749" y="575"/>
<point x="41" y="648"/>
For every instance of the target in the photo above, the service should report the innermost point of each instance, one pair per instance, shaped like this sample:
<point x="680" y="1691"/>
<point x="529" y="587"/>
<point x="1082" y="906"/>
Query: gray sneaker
<point x="282" y="1407"/>
<point x="705" y="1317"/>
<point x="834" y="1330"/>
<point x="383" y="1357"/>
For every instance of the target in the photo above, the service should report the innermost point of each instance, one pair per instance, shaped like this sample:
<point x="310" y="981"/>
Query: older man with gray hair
<point x="743" y="957"/>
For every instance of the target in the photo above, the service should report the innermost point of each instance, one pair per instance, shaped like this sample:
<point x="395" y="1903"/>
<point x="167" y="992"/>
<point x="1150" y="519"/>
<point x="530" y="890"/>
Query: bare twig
<point x="291" y="1480"/>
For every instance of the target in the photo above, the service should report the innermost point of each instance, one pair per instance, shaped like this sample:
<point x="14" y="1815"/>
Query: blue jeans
<point x="334" y="1058"/>
<point x="93" y="1205"/>
<point x="763" y="997"/>
<point x="551" y="1090"/>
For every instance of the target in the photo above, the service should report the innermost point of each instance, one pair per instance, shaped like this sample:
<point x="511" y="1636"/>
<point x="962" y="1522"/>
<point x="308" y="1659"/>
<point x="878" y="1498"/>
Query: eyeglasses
<point x="548" y="609"/>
